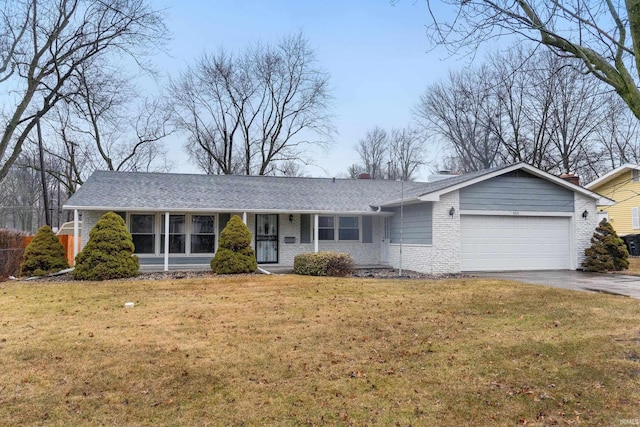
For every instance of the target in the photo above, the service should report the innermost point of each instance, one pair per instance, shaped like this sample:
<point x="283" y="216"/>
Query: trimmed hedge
<point x="44" y="254"/>
<point x="109" y="252"/>
<point x="335" y="264"/>
<point x="235" y="254"/>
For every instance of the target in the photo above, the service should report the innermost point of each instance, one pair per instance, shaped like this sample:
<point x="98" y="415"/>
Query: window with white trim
<point x="142" y="229"/>
<point x="177" y="234"/>
<point x="203" y="234"/>
<point x="635" y="220"/>
<point x="635" y="175"/>
<point x="349" y="228"/>
<point x="326" y="228"/>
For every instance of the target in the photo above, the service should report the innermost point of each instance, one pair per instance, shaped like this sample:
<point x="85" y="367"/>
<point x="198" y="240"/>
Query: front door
<point x="267" y="238"/>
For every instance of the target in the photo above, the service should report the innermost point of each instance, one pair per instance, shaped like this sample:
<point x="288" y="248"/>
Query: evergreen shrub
<point x="335" y="264"/>
<point x="235" y="254"/>
<point x="108" y="253"/>
<point x="607" y="251"/>
<point x="44" y="254"/>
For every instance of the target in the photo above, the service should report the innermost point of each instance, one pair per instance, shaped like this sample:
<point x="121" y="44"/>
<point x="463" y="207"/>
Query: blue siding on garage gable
<point x="517" y="191"/>
<point x="416" y="224"/>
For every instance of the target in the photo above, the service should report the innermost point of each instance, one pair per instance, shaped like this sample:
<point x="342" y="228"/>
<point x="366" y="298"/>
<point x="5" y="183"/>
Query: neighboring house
<point x="515" y="217"/>
<point x="622" y="185"/>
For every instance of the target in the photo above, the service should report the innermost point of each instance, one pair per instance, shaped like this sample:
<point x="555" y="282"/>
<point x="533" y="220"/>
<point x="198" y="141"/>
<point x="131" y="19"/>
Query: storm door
<point x="266" y="238"/>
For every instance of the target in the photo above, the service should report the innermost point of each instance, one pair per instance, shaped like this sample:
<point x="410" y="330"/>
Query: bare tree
<point x="603" y="35"/>
<point x="43" y="44"/>
<point x="247" y="114"/>
<point x="406" y="153"/>
<point x="394" y="155"/>
<point x="460" y="110"/>
<point x="373" y="149"/>
<point x="533" y="107"/>
<point x="619" y="136"/>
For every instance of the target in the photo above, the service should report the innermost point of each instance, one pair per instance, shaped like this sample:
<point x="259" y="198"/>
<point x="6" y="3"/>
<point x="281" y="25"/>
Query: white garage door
<point x="498" y="243"/>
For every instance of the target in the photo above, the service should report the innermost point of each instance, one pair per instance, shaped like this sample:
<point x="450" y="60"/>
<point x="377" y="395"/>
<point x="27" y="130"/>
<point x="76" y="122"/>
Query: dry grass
<point x="289" y="350"/>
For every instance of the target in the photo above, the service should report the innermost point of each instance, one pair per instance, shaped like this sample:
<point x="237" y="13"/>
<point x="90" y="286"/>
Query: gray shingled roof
<point x="184" y="192"/>
<point x="162" y="191"/>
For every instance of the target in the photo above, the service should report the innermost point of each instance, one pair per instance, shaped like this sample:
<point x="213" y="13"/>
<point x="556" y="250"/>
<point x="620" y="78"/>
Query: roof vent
<point x="574" y="179"/>
<point x="363" y="175"/>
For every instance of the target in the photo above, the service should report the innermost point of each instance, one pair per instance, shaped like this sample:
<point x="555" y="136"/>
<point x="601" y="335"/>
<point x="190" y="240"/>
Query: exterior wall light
<point x="290" y="217"/>
<point x="452" y="211"/>
<point x="585" y="214"/>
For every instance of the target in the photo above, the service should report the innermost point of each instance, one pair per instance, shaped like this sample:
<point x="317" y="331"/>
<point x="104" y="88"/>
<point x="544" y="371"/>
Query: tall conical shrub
<point x="108" y="253"/>
<point x="607" y="252"/>
<point x="235" y="254"/>
<point x="44" y="254"/>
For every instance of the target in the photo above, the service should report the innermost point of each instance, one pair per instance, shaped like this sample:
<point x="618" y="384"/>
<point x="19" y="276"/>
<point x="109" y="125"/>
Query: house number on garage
<point x="516" y="213"/>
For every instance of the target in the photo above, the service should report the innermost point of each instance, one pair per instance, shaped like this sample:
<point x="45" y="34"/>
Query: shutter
<point x="305" y="228"/>
<point x="635" y="221"/>
<point x="223" y="219"/>
<point x="367" y="229"/>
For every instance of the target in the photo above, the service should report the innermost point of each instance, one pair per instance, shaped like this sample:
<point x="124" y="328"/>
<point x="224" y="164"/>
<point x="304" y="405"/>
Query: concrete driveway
<point x="617" y="284"/>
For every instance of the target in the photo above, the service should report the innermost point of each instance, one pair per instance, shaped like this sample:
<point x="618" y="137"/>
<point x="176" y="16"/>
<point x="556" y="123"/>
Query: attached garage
<point x="501" y="243"/>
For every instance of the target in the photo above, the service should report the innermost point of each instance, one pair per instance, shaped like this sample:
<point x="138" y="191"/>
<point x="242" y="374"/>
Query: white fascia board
<point x="216" y="210"/>
<point x="605" y="201"/>
<point x="515" y="213"/>
<point x="524" y="166"/>
<point x="612" y="174"/>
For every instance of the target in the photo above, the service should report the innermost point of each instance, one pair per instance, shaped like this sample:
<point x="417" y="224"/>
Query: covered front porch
<point x="277" y="236"/>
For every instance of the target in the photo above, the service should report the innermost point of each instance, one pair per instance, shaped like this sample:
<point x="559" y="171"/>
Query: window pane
<point x="325" y="234"/>
<point x="142" y="223"/>
<point x="348" y="222"/>
<point x="348" y="234"/>
<point x="305" y="228"/>
<point x="202" y="244"/>
<point x="325" y="222"/>
<point x="176" y="224"/>
<point x="176" y="243"/>
<point x="144" y="243"/>
<point x="202" y="224"/>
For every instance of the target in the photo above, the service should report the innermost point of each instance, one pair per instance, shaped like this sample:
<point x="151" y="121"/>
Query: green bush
<point x="109" y="252"/>
<point x="11" y="251"/>
<point x="235" y="254"/>
<point x="44" y="254"/>
<point x="323" y="264"/>
<point x="607" y="252"/>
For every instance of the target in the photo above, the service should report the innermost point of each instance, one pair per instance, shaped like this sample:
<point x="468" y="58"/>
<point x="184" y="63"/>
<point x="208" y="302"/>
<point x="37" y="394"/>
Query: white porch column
<point x="244" y="218"/>
<point x="166" y="241"/>
<point x="315" y="233"/>
<point x="76" y="234"/>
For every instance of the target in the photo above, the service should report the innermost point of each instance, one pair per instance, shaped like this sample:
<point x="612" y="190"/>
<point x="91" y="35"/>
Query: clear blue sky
<point x="376" y="54"/>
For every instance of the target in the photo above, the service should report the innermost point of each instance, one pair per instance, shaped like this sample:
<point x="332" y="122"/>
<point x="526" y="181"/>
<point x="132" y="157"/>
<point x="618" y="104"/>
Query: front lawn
<point x="291" y="350"/>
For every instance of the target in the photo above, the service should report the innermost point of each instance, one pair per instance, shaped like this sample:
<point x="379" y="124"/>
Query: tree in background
<point x="45" y="43"/>
<point x="44" y="254"/>
<point x="532" y="107"/>
<point x="248" y="113"/>
<point x="604" y="36"/>
<point x="108" y="253"/>
<point x="394" y="155"/>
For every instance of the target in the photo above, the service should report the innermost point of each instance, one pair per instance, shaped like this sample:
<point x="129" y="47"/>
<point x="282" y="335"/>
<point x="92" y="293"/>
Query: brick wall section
<point x="89" y="220"/>
<point x="583" y="229"/>
<point x="443" y="256"/>
<point x="414" y="257"/>
<point x="446" y="234"/>
<point x="361" y="253"/>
